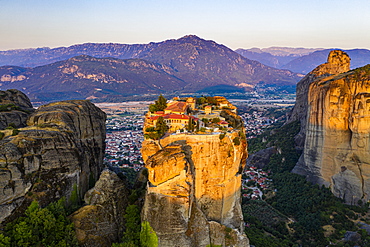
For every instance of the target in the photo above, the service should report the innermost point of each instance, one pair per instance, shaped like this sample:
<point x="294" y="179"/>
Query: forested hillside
<point x="303" y="214"/>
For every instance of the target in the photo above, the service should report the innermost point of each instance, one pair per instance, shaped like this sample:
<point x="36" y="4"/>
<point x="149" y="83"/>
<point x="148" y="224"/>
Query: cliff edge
<point x="337" y="141"/>
<point x="338" y="62"/>
<point x="193" y="193"/>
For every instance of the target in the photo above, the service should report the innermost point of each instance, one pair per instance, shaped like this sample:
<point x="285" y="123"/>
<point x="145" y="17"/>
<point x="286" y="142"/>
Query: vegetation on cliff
<point x="41" y="227"/>
<point x="159" y="105"/>
<point x="136" y="233"/>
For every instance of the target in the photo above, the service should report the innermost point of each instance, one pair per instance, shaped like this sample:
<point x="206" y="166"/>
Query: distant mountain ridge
<point x="275" y="57"/>
<point x="301" y="60"/>
<point x="188" y="64"/>
<point x="304" y="64"/>
<point x="88" y="77"/>
<point x="43" y="56"/>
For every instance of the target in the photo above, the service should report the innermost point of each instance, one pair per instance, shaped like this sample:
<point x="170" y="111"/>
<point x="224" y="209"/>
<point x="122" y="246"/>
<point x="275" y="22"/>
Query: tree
<point x="211" y="100"/>
<point x="201" y="101"/>
<point x="215" y="120"/>
<point x="41" y="227"/>
<point x="191" y="125"/>
<point x="132" y="233"/>
<point x="236" y="141"/>
<point x="4" y="241"/>
<point x="161" y="126"/>
<point x="148" y="237"/>
<point x="159" y="105"/>
<point x="205" y="120"/>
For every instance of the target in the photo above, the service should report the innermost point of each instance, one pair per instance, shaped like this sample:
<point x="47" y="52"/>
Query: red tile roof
<point x="177" y="107"/>
<point x="173" y="116"/>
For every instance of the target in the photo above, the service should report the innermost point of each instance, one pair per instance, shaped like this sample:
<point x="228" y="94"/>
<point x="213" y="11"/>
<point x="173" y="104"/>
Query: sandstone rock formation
<point x="338" y="62"/>
<point x="193" y="197"/>
<point x="61" y="147"/>
<point x="15" y="108"/>
<point x="101" y="222"/>
<point x="336" y="148"/>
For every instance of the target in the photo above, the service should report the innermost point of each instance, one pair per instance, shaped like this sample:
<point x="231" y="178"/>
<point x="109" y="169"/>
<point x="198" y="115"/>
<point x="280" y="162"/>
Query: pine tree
<point x="159" y="105"/>
<point x="161" y="127"/>
<point x="148" y="237"/>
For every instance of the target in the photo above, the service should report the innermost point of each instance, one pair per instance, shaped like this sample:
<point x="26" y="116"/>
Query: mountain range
<point x="89" y="71"/>
<point x="301" y="60"/>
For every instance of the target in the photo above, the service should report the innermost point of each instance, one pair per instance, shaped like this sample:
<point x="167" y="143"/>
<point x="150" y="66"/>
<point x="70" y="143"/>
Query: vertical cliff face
<point x="193" y="197"/>
<point x="336" y="150"/>
<point x="61" y="147"/>
<point x="338" y="62"/>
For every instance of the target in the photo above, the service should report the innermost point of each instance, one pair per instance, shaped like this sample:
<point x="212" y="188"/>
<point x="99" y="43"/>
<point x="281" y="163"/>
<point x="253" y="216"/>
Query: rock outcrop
<point x="15" y="108"/>
<point x="60" y="150"/>
<point x="261" y="158"/>
<point x="100" y="223"/>
<point x="338" y="62"/>
<point x="193" y="194"/>
<point x="337" y="143"/>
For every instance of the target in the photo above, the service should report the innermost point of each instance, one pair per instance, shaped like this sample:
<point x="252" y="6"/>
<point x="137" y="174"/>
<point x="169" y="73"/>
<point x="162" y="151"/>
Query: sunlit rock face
<point x="338" y="62"/>
<point x="193" y="194"/>
<point x="336" y="150"/>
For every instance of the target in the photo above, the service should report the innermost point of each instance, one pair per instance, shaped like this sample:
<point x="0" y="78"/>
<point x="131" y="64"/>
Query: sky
<point x="234" y="23"/>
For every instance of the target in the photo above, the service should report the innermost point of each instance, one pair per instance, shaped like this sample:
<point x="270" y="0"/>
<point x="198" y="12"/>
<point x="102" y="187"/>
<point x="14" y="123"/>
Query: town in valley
<point x="125" y="134"/>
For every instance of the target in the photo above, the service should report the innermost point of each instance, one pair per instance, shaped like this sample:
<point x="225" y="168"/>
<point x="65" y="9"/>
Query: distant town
<point x="125" y="134"/>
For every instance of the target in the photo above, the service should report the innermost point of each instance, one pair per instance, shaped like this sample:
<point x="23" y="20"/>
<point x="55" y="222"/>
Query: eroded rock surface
<point x="337" y="144"/>
<point x="338" y="62"/>
<point x="15" y="108"/>
<point x="100" y="223"/>
<point x="193" y="197"/>
<point x="61" y="147"/>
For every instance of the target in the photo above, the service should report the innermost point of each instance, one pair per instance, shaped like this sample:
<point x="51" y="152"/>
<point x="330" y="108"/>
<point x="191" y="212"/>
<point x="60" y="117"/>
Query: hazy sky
<point x="234" y="23"/>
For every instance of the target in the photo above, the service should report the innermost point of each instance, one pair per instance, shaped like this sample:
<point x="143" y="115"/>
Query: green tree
<point x="161" y="126"/>
<point x="236" y="141"/>
<point x="191" y="125"/>
<point x="42" y="227"/>
<point x="205" y="120"/>
<point x="132" y="233"/>
<point x="201" y="101"/>
<point x="4" y="241"/>
<point x="159" y="105"/>
<point x="152" y="108"/>
<point x="148" y="237"/>
<point x="215" y="120"/>
<point x="211" y="100"/>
